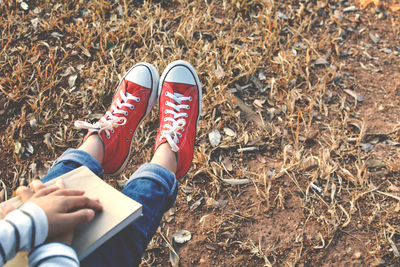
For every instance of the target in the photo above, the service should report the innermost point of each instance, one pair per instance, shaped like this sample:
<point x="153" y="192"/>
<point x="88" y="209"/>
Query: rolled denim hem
<point x="158" y="174"/>
<point x="82" y="158"/>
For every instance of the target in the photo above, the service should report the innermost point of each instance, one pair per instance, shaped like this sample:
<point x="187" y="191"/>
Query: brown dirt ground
<point x="308" y="129"/>
<point x="285" y="235"/>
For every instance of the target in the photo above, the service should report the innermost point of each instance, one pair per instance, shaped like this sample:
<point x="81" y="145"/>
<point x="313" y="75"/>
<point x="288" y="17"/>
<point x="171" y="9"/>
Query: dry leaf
<point x="365" y="3"/>
<point x="261" y="158"/>
<point x="258" y="103"/>
<point x="228" y="164"/>
<point x="356" y="96"/>
<point x="394" y="188"/>
<point x="229" y="132"/>
<point x="395" y="7"/>
<point x="72" y="79"/>
<point x="219" y="72"/>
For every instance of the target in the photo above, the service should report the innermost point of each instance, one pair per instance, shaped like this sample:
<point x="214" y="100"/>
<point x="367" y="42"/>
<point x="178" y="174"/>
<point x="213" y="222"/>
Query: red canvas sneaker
<point x="180" y="107"/>
<point x="136" y="95"/>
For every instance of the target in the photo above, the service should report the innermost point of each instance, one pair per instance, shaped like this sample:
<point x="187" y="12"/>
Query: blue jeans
<point x="152" y="185"/>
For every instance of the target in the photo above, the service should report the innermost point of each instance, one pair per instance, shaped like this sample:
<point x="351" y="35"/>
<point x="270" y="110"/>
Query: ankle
<point x="165" y="157"/>
<point x="94" y="146"/>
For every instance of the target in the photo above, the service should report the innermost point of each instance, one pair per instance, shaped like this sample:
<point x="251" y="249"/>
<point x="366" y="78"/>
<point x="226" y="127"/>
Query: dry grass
<point x="273" y="72"/>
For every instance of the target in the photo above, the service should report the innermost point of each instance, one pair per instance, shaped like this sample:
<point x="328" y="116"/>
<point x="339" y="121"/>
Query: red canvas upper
<point x="185" y="135"/>
<point x="130" y="105"/>
<point x="117" y="147"/>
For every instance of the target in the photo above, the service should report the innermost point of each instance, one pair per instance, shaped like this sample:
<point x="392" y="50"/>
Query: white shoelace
<point x="177" y="122"/>
<point x="108" y="123"/>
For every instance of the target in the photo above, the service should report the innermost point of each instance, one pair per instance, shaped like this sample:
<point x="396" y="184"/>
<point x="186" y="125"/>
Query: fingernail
<point x="90" y="212"/>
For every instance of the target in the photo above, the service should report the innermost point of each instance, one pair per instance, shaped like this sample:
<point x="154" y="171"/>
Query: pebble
<point x="349" y="9"/>
<point x="215" y="137"/>
<point x="387" y="50"/>
<point x="357" y="254"/>
<point x="338" y="15"/>
<point x="374" y="37"/>
<point x="24" y="6"/>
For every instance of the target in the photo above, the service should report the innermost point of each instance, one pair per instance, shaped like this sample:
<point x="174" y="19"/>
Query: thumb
<point x="79" y="216"/>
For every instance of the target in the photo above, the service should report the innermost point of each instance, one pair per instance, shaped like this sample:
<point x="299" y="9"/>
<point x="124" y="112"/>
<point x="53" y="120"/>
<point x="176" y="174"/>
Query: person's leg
<point x="154" y="184"/>
<point x="70" y="160"/>
<point x="108" y="144"/>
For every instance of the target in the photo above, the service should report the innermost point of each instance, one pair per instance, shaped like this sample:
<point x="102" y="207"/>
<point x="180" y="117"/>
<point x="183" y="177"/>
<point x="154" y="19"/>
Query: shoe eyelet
<point x="108" y="136"/>
<point x="131" y="131"/>
<point x="132" y="107"/>
<point x="166" y="93"/>
<point x="183" y="129"/>
<point x="138" y="99"/>
<point x="165" y="112"/>
<point x="112" y="130"/>
<point x="126" y="113"/>
<point x="127" y="139"/>
<point x="190" y="98"/>
<point x="165" y="119"/>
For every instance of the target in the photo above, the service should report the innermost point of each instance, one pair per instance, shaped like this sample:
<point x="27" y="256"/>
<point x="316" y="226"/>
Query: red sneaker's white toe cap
<point x="141" y="75"/>
<point x="180" y="74"/>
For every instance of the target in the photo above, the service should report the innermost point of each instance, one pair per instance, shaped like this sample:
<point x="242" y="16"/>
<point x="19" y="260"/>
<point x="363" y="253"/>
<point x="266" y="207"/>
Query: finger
<point x="78" y="202"/>
<point x="36" y="185"/>
<point x="69" y="192"/>
<point x="78" y="217"/>
<point x="46" y="191"/>
<point x="60" y="183"/>
<point x="24" y="193"/>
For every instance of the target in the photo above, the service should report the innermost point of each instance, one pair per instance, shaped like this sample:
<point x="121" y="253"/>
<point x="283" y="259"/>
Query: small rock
<point x="375" y="164"/>
<point x="321" y="61"/>
<point x="35" y="23"/>
<point x="366" y="147"/>
<point x="338" y="15"/>
<point x="182" y="236"/>
<point x="357" y="254"/>
<point x="281" y="15"/>
<point x="387" y="50"/>
<point x="56" y="35"/>
<point x="349" y="9"/>
<point x="374" y="37"/>
<point x="72" y="79"/>
<point x="30" y="148"/>
<point x="261" y="76"/>
<point x="215" y="137"/>
<point x="24" y="6"/>
<point x="33" y="124"/>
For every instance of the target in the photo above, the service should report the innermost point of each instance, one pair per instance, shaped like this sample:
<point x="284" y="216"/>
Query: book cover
<point x="118" y="210"/>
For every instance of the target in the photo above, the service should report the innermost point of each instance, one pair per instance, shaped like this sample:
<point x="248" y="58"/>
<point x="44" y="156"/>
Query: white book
<point x="118" y="211"/>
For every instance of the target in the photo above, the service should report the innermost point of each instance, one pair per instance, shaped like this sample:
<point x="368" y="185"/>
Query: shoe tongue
<point x="180" y="88"/>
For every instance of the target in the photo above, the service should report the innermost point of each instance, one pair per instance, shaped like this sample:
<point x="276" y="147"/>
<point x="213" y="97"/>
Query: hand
<point x="64" y="208"/>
